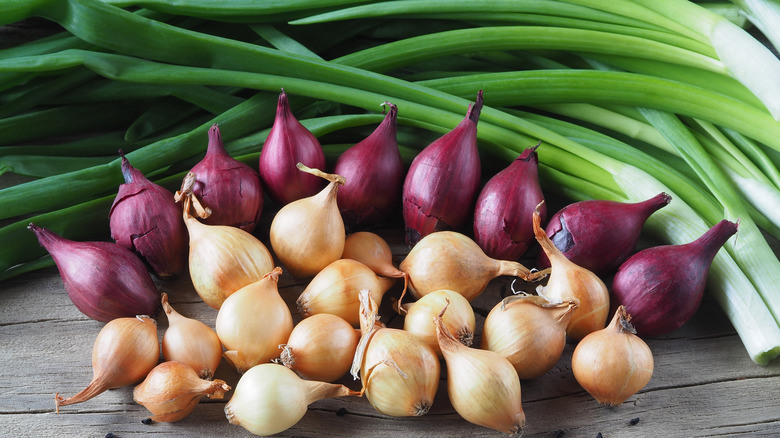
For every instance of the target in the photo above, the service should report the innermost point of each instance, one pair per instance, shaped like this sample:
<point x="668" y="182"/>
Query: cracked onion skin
<point x="443" y="181"/>
<point x="145" y="219"/>
<point x="502" y="215"/>
<point x="599" y="235"/>
<point x="104" y="280"/>
<point x="231" y="189"/>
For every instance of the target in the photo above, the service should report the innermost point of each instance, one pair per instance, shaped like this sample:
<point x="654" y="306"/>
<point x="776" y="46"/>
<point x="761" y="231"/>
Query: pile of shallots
<point x="320" y="234"/>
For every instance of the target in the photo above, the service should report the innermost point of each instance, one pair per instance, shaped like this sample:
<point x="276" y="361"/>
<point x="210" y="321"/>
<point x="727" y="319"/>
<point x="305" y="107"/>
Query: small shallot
<point x="451" y="260"/>
<point x="125" y="350"/>
<point x="270" y="398"/>
<point x="230" y="188"/>
<point x="288" y="144"/>
<point x="662" y="286"/>
<point x="320" y="347"/>
<point x="145" y="219"/>
<point x="172" y="389"/>
<point x="222" y="258"/>
<point x="529" y="331"/>
<point x="459" y="319"/>
<point x="375" y="173"/>
<point x="570" y="281"/>
<point x="400" y="372"/>
<point x="483" y="386"/>
<point x="443" y="180"/>
<point x="335" y="290"/>
<point x="502" y="225"/>
<point x="613" y="363"/>
<point x="308" y="234"/>
<point x="253" y="321"/>
<point x="599" y="235"/>
<point x="104" y="280"/>
<point x="191" y="342"/>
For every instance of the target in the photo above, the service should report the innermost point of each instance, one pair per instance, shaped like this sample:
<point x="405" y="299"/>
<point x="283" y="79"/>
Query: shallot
<point x="125" y="350"/>
<point x="502" y="216"/>
<point x="104" y="280"/>
<point x="230" y="188"/>
<point x="613" y="363"/>
<point x="288" y="144"/>
<point x="443" y="180"/>
<point x="599" y="235"/>
<point x="451" y="260"/>
<point x="662" y="286"/>
<point x="375" y="173"/>
<point x="145" y="219"/>
<point x="308" y="234"/>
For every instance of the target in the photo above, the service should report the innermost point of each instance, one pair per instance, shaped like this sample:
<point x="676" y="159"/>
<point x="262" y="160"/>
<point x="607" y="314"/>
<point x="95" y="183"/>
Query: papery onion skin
<point x="321" y="347"/>
<point x="124" y="352"/>
<point x="483" y="386"/>
<point x="613" y="364"/>
<point x="231" y="189"/>
<point x="289" y="143"/>
<point x="308" y="234"/>
<point x="459" y="318"/>
<point x="571" y="281"/>
<point x="335" y="290"/>
<point x="270" y="398"/>
<point x="375" y="174"/>
<point x="103" y="280"/>
<point x="224" y="259"/>
<point x="662" y="286"/>
<point x="502" y="216"/>
<point x="599" y="235"/>
<point x="443" y="181"/>
<point x="172" y="389"/>
<point x="400" y="373"/>
<point x="529" y="331"/>
<point x="451" y="260"/>
<point x="191" y="342"/>
<point x="253" y="322"/>
<point x="145" y="219"/>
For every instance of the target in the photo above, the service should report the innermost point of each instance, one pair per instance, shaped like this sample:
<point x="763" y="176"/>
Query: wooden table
<point x="704" y="383"/>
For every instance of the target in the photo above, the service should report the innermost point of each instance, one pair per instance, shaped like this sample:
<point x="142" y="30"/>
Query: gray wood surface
<point x="704" y="384"/>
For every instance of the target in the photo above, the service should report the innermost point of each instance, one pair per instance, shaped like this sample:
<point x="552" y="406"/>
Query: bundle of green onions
<point x="630" y="98"/>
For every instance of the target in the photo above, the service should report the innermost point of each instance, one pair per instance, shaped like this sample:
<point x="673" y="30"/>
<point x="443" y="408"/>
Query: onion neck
<point x="514" y="269"/>
<point x="710" y="242"/>
<point x="97" y="386"/>
<point x="322" y="390"/>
